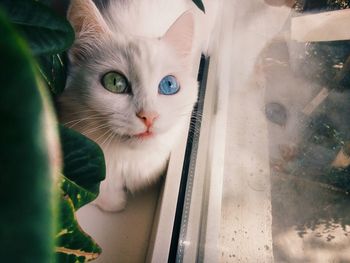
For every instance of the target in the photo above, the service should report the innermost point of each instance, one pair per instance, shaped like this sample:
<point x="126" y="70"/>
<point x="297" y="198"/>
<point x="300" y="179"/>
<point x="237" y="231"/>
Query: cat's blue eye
<point x="116" y="83"/>
<point x="168" y="86"/>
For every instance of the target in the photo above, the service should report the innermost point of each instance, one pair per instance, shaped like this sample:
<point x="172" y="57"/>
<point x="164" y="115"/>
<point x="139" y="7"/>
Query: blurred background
<point x="286" y="162"/>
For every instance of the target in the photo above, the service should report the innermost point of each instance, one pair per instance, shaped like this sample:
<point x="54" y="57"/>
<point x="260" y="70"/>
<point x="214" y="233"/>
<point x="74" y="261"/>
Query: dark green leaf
<point x="73" y="244"/>
<point x="53" y="70"/>
<point x="26" y="221"/>
<point x="84" y="169"/>
<point x="45" y="31"/>
<point x="83" y="160"/>
<point x="46" y="2"/>
<point x="199" y="4"/>
<point x="76" y="193"/>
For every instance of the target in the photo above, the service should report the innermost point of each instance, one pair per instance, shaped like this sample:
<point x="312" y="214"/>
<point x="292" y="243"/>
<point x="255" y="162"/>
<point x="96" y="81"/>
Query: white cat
<point x="131" y="86"/>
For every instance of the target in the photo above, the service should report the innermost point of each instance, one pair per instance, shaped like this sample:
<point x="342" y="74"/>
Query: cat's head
<point x="137" y="87"/>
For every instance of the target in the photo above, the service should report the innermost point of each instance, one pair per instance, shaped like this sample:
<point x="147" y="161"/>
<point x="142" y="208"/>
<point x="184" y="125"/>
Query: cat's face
<point x="139" y="88"/>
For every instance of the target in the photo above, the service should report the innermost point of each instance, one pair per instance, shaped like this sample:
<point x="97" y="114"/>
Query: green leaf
<point x="76" y="193"/>
<point x="45" y="31"/>
<point x="27" y="157"/>
<point x="84" y="169"/>
<point x="46" y="2"/>
<point x="28" y="153"/>
<point x="53" y="70"/>
<point x="199" y="4"/>
<point x="73" y="244"/>
<point x="84" y="161"/>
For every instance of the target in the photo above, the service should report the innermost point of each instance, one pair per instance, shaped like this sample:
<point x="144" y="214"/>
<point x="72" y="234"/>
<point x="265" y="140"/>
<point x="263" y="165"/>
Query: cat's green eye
<point x="116" y="83"/>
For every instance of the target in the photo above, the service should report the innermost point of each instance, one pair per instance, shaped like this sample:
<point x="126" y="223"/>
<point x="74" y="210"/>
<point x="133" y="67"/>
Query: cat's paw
<point x="111" y="201"/>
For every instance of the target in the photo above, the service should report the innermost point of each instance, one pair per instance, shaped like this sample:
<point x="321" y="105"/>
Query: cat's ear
<point x="180" y="34"/>
<point x="88" y="25"/>
<point x="86" y="18"/>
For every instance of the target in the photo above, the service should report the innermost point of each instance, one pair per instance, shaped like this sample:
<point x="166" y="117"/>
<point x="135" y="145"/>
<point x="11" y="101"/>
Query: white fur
<point x="152" y="18"/>
<point x="132" y="37"/>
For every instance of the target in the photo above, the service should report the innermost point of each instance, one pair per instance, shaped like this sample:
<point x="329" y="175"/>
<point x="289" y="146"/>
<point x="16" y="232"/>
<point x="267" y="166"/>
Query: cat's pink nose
<point x="147" y="118"/>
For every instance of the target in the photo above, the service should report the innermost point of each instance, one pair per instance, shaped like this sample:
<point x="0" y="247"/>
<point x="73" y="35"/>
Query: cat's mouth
<point x="145" y="135"/>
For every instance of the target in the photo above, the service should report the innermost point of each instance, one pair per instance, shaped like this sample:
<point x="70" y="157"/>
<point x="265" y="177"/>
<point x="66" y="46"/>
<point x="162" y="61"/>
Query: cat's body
<point x="137" y="128"/>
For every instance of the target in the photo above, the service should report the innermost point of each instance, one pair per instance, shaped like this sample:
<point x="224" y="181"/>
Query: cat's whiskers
<point x="75" y="122"/>
<point x="95" y="112"/>
<point x="186" y="114"/>
<point x="113" y="135"/>
<point x="184" y="107"/>
<point x="95" y="128"/>
<point x="109" y="139"/>
<point x="107" y="135"/>
<point x="103" y="135"/>
<point x="82" y="111"/>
